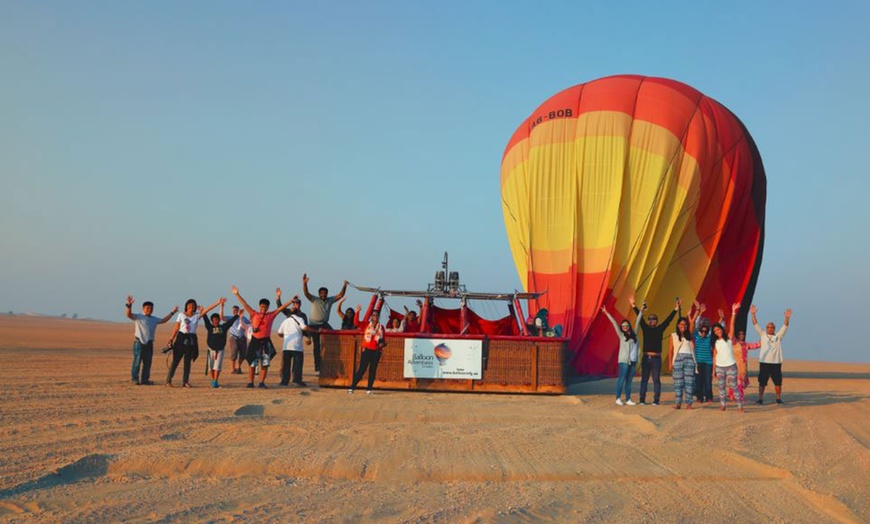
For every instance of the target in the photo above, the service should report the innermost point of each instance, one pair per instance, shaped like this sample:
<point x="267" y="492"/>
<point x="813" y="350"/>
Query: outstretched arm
<point x="638" y="312"/>
<point x="612" y="320"/>
<point x="338" y="309"/>
<point x="305" y="292"/>
<point x="734" y="309"/>
<point x="281" y="308"/>
<point x="128" y="308"/>
<point x="248" y="308"/>
<point x="169" y="316"/>
<point x="341" y="293"/>
<point x="220" y="302"/>
<point x="670" y="317"/>
<point x="787" y="317"/>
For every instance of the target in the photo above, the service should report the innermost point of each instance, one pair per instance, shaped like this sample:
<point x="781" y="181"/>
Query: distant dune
<point x="80" y="443"/>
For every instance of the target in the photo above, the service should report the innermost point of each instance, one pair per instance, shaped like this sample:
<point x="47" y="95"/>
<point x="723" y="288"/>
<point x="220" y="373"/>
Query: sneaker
<point x="301" y="384"/>
<point x="214" y="384"/>
<point x="619" y="402"/>
<point x="642" y="403"/>
<point x="759" y="402"/>
<point x="655" y="403"/>
<point x="369" y="392"/>
<point x="147" y="383"/>
<point x="134" y="382"/>
<point x="779" y="401"/>
<point x="629" y="402"/>
<point x="283" y="384"/>
<point x="262" y="385"/>
<point x="250" y="385"/>
<point x="350" y="392"/>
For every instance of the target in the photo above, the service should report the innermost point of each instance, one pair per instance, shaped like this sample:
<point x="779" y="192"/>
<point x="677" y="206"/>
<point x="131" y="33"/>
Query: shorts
<point x="217" y="359"/>
<point x="237" y="347"/>
<point x="260" y="350"/>
<point x="769" y="371"/>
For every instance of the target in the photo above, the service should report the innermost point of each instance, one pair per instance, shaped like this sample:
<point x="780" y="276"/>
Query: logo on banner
<point x="442" y="353"/>
<point x="434" y="358"/>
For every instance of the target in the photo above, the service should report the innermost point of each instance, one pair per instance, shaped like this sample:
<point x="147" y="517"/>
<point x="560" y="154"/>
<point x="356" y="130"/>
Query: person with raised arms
<point x="318" y="319"/>
<point x="770" y="355"/>
<point x="237" y="340"/>
<point x="651" y="363"/>
<point x="725" y="360"/>
<point x="627" y="357"/>
<point x="216" y="341"/>
<point x="683" y="363"/>
<point x="143" y="339"/>
<point x="261" y="351"/>
<point x="183" y="341"/>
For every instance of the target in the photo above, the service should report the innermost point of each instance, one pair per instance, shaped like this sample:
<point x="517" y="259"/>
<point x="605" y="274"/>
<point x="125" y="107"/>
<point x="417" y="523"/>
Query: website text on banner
<point x="439" y="358"/>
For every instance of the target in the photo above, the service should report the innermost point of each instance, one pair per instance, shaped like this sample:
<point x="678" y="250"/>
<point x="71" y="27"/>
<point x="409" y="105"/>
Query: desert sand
<point x="80" y="443"/>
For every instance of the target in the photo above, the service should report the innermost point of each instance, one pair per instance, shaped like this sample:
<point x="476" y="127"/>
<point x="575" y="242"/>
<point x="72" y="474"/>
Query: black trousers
<point x="315" y="342"/>
<point x="291" y="361"/>
<point x="369" y="360"/>
<point x="186" y="348"/>
<point x="651" y="366"/>
<point x="704" y="382"/>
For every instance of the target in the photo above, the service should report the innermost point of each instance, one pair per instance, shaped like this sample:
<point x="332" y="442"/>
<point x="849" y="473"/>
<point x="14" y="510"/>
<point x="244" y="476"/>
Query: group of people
<point x="699" y="352"/>
<point x="249" y="338"/>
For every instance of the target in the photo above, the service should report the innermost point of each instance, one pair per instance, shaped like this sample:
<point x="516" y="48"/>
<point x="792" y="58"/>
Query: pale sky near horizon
<point x="171" y="149"/>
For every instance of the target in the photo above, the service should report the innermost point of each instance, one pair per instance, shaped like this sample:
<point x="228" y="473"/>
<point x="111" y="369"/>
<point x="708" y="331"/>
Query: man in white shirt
<point x="770" y="355"/>
<point x="143" y="341"/>
<point x="237" y="340"/>
<point x="292" y="330"/>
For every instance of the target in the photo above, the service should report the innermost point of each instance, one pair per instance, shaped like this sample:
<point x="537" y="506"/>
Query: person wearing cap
<point x="703" y="355"/>
<point x="292" y="330"/>
<point x="237" y="341"/>
<point x="321" y="306"/>
<point x="651" y="363"/>
<point x="143" y="339"/>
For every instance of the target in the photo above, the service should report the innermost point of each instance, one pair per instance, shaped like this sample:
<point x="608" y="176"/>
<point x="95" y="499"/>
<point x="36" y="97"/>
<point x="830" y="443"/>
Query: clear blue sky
<point x="171" y="149"/>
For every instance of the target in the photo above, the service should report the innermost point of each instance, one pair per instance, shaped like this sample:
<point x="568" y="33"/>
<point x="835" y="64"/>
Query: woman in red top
<point x="373" y="343"/>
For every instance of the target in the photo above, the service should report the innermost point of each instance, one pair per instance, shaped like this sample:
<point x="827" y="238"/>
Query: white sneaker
<point x="350" y="392"/>
<point x="619" y="402"/>
<point x="368" y="392"/>
<point x="629" y="402"/>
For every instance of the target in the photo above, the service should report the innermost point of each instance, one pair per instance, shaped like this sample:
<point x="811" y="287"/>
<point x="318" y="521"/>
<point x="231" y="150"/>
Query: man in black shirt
<point x="651" y="363"/>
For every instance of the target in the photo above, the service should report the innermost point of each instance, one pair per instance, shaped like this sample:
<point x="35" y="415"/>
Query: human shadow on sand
<point x="88" y="467"/>
<point x="804" y="399"/>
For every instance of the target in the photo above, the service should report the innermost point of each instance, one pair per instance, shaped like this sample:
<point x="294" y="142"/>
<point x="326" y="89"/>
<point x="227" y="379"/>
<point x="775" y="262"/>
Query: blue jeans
<point x="142" y="355"/>
<point x="626" y="374"/>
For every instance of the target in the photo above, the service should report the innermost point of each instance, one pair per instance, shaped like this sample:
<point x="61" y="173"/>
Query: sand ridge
<point x="79" y="443"/>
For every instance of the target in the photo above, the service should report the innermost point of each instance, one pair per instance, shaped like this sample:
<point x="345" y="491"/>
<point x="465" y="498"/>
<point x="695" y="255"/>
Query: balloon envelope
<point x="632" y="185"/>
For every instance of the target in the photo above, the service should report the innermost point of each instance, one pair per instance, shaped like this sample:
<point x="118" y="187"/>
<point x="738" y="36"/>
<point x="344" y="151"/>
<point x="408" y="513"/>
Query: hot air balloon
<point x="632" y="185"/>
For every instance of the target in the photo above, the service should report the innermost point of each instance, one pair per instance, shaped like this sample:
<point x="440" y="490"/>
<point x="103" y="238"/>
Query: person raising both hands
<point x="770" y="354"/>
<point x="260" y="349"/>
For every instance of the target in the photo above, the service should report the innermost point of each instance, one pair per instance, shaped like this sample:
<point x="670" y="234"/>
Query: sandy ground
<point x="80" y="443"/>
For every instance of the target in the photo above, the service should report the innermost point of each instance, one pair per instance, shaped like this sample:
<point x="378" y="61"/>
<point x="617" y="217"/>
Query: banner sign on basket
<point x="442" y="358"/>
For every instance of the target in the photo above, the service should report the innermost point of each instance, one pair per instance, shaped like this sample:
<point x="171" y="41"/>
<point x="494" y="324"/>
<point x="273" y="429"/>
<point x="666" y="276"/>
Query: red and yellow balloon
<point x="632" y="185"/>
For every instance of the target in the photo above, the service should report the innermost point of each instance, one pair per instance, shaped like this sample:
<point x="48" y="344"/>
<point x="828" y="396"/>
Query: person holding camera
<point x="260" y="349"/>
<point x="373" y="344"/>
<point x="143" y="339"/>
